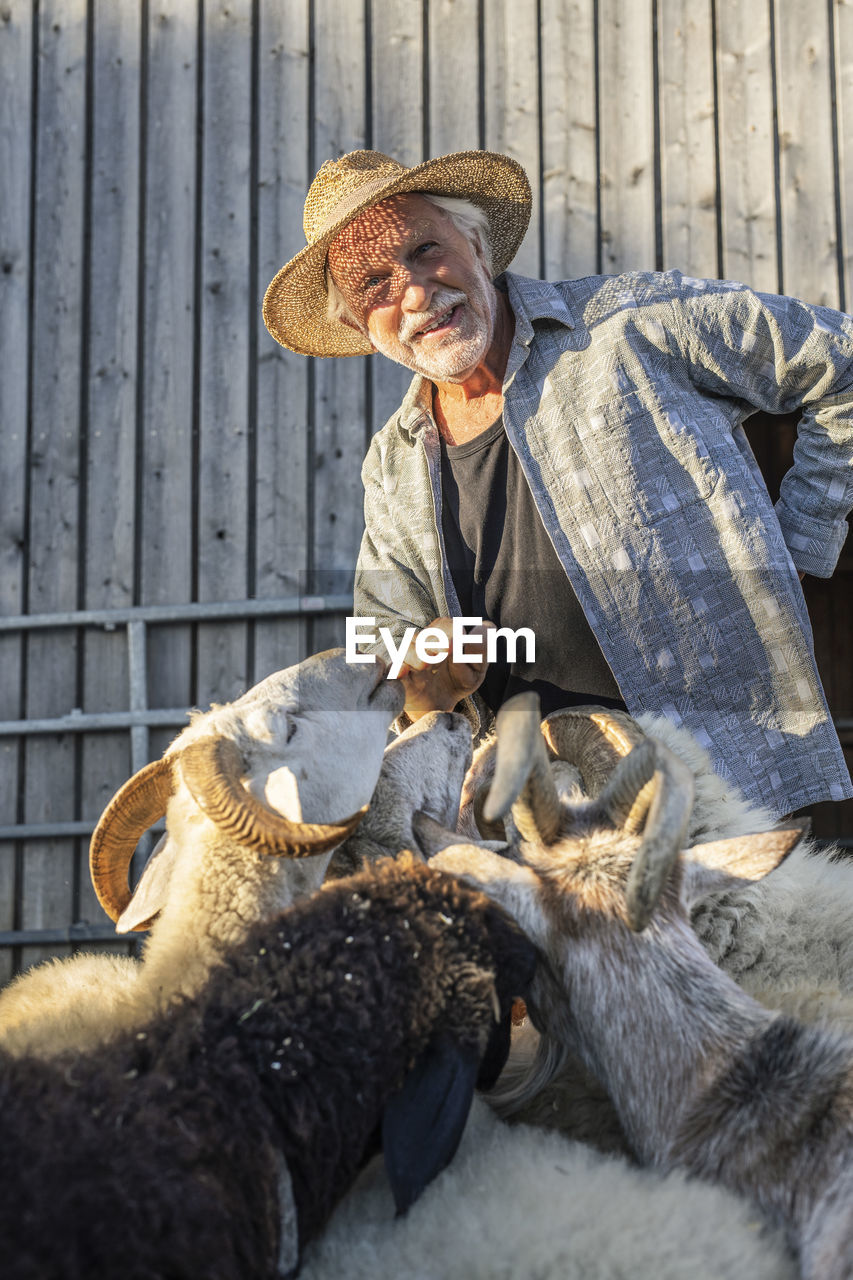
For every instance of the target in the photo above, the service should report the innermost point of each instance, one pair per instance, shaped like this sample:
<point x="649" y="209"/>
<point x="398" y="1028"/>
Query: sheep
<point x="273" y="773"/>
<point x="702" y="1076"/>
<point x="422" y="770"/>
<point x="216" y="1140"/>
<point x="519" y="1203"/>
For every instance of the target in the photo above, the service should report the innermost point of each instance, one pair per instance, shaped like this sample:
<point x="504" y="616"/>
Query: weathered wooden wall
<point x="159" y="448"/>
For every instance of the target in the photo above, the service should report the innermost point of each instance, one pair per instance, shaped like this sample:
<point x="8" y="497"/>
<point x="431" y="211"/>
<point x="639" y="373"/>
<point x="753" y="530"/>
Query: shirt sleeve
<point x="780" y="355"/>
<point x="389" y="587"/>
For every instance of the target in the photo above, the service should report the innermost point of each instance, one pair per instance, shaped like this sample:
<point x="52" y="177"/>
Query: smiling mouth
<point x="439" y="324"/>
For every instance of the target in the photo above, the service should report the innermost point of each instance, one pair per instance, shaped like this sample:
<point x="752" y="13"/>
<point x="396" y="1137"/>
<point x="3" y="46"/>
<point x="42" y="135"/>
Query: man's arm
<point x="780" y="355"/>
<point x="390" y="587"/>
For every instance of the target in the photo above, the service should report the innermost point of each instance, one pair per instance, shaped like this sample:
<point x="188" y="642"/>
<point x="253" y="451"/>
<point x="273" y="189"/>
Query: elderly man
<point x="570" y="458"/>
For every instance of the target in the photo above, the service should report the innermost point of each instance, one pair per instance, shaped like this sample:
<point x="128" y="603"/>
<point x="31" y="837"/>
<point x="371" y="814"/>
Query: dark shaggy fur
<point x="156" y="1159"/>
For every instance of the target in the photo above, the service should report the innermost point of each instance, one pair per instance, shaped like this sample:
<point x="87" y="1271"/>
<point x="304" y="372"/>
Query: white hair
<point x="468" y="219"/>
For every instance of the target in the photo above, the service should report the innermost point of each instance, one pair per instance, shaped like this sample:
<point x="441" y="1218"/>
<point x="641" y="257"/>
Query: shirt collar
<point x="530" y="300"/>
<point x="535" y="300"/>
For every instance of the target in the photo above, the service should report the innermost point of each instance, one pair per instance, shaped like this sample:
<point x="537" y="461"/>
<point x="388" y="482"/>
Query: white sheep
<point x="287" y="769"/>
<point x="519" y="1203"/>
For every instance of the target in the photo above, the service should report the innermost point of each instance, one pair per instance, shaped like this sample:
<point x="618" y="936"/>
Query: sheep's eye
<point x="291" y="728"/>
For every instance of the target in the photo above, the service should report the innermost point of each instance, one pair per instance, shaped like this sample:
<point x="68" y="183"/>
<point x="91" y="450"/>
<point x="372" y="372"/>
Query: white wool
<point x="518" y="1203"/>
<point x="720" y="809"/>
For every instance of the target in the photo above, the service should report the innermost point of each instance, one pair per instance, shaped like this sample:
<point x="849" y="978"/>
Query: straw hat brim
<point x="295" y="304"/>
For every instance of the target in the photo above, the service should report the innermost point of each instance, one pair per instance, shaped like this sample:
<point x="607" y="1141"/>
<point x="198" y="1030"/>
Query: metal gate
<point x="137" y="720"/>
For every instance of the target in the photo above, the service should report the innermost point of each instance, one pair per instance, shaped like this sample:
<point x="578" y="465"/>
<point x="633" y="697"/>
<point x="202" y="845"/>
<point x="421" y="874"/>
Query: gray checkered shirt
<point x="624" y="400"/>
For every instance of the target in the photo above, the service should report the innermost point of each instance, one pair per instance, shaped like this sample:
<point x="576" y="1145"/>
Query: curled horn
<point x="651" y="791"/>
<point x="594" y="739"/>
<point x="523" y="778"/>
<point x="212" y="769"/>
<point x="132" y="810"/>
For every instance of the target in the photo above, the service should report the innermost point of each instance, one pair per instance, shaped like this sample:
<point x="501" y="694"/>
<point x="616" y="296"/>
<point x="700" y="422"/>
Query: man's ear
<point x="351" y="324"/>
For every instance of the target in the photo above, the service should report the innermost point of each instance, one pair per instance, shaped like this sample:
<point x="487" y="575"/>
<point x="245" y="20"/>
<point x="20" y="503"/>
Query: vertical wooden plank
<point x="166" y="486"/>
<point x="453" y="75"/>
<point x="339" y="401"/>
<point x="223" y="477"/>
<point x="747" y="176"/>
<point x="16" y="58"/>
<point x="688" y="177"/>
<point x="282" y="376"/>
<point x="810" y="265"/>
<point x="569" y="161"/>
<point x="627" y="135"/>
<point x="512" y="103"/>
<point x="111" y="403"/>
<point x="844" y="115"/>
<point x="397" y="129"/>
<point x="54" y="533"/>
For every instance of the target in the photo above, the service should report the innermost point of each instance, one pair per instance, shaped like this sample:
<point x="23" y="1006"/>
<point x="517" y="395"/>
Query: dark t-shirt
<point x="505" y="569"/>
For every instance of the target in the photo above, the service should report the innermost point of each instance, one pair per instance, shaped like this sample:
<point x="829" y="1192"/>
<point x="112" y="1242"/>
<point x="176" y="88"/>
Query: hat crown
<point x="344" y="184"/>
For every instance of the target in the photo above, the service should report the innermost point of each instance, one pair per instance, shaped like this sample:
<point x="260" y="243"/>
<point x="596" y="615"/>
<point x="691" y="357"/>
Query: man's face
<point x="417" y="286"/>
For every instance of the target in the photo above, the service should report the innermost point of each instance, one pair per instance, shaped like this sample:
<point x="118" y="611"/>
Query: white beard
<point x="451" y="358"/>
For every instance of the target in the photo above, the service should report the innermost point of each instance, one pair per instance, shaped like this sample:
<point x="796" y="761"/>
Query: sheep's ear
<point x="432" y="837"/>
<point x="149" y="896"/>
<point x="423" y="1123"/>
<point x="497" y="1051"/>
<point x="728" y="864"/>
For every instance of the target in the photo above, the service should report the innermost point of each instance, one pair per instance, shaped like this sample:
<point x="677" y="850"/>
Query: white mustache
<point x="444" y="301"/>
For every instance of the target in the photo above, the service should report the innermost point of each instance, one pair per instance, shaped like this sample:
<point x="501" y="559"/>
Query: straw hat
<point x="295" y="303"/>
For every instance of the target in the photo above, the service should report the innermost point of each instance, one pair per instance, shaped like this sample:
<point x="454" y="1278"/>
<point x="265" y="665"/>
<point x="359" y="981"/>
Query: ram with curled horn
<point x="257" y="795"/>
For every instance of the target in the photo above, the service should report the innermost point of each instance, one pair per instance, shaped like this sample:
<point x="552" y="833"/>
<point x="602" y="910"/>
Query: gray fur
<point x="701" y="1076"/>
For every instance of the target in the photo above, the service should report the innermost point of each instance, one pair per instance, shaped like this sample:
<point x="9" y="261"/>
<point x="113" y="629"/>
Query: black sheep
<point x="364" y="1015"/>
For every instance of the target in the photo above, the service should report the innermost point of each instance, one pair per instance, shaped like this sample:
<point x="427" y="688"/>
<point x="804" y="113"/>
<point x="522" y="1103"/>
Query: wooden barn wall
<point x="159" y="448"/>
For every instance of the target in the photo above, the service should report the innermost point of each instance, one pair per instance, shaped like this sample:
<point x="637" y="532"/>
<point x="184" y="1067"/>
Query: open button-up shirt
<point x="624" y="399"/>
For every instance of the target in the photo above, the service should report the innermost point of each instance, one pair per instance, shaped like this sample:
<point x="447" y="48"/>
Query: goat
<point x="216" y="1140"/>
<point x="702" y="1076"/>
<point x="248" y="789"/>
<point x="786" y="939"/>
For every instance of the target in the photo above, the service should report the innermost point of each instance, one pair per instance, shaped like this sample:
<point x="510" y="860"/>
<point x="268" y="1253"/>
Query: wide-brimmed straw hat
<point x="295" y="305"/>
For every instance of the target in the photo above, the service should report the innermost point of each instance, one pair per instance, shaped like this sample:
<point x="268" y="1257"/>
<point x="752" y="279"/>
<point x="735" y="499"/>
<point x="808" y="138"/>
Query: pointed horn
<point x="650" y="791"/>
<point x="489" y="830"/>
<point x="212" y="769"/>
<point x="133" y="809"/>
<point x="522" y="778"/>
<point x="594" y="739"/>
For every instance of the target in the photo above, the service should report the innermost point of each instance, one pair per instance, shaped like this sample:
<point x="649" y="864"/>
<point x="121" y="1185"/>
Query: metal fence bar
<point x="80" y="931"/>
<point x="87" y="722"/>
<point x="195" y="612"/>
<point x="55" y="830"/>
<point x="137" y="671"/>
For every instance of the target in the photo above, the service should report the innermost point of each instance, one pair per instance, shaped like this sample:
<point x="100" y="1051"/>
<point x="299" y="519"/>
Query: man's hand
<point x="438" y="686"/>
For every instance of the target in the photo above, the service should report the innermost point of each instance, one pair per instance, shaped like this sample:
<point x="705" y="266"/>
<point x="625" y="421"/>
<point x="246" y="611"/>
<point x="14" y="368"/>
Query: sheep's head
<point x="285" y="770"/>
<point x="422" y="769"/>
